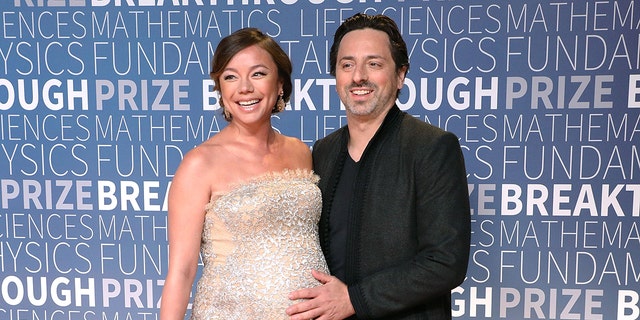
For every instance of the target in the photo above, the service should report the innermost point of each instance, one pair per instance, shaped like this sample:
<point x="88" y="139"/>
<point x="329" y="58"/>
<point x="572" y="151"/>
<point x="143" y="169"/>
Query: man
<point x="395" y="225"/>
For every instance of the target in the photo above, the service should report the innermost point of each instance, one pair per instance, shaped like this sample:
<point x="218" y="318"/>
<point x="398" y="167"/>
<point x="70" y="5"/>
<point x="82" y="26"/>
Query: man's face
<point x="366" y="78"/>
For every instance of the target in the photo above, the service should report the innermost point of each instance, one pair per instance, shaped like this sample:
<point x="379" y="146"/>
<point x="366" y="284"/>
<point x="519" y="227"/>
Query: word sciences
<point x="153" y="3"/>
<point x="440" y="17"/>
<point x="460" y="93"/>
<point x="510" y="131"/>
<point x="72" y="227"/>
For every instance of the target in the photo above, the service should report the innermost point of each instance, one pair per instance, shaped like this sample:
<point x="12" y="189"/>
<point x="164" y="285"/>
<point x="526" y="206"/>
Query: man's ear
<point x="401" y="74"/>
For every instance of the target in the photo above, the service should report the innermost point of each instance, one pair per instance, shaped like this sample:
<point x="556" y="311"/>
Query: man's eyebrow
<point x="369" y="57"/>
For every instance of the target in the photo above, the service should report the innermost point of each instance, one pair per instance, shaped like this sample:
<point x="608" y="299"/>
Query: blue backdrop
<point x="100" y="99"/>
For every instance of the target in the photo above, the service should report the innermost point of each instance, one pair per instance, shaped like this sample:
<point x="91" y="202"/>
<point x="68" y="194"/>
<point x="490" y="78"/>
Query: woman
<point x="246" y="198"/>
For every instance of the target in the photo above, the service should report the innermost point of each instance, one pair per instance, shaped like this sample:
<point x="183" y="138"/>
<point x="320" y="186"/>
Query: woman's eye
<point x="228" y="77"/>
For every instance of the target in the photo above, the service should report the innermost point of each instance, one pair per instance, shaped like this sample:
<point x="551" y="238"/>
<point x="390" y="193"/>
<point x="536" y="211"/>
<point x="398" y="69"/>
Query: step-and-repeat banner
<point x="101" y="99"/>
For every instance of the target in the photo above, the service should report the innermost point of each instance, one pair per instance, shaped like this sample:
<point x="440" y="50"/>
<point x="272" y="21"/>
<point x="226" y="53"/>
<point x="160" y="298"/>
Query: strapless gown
<point x="260" y="242"/>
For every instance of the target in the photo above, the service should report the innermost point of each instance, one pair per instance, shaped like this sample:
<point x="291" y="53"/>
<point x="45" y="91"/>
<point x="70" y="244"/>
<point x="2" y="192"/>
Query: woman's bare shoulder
<point x="202" y="159"/>
<point x="297" y="152"/>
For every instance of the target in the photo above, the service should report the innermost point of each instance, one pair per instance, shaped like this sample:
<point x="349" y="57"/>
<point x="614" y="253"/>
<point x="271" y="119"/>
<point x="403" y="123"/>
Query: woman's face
<point x="250" y="85"/>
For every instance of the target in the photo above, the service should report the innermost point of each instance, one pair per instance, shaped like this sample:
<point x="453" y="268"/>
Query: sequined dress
<point x="260" y="242"/>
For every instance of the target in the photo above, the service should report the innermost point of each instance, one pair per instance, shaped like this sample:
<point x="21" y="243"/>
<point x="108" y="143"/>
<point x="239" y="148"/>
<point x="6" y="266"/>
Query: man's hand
<point x="329" y="301"/>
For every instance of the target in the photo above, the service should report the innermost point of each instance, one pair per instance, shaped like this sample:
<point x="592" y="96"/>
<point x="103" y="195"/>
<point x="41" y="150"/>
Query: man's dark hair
<point x="377" y="22"/>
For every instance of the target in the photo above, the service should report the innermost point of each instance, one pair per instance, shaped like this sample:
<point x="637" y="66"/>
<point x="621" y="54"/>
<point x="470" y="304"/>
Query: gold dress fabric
<point x="260" y="242"/>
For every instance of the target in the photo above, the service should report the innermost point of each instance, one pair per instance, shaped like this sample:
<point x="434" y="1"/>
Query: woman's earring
<point x="225" y="112"/>
<point x="280" y="104"/>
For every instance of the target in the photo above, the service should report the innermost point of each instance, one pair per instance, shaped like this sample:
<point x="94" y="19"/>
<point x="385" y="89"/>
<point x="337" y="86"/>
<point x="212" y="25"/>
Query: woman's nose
<point x="245" y="85"/>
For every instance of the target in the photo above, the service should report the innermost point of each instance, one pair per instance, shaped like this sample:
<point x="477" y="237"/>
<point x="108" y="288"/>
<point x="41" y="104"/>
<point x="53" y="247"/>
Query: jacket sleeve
<point x="442" y="217"/>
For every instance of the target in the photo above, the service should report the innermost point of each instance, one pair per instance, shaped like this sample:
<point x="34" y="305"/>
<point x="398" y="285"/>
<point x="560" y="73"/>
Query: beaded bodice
<point x="259" y="243"/>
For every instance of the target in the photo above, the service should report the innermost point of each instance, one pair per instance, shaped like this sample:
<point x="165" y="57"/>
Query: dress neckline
<point x="267" y="176"/>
